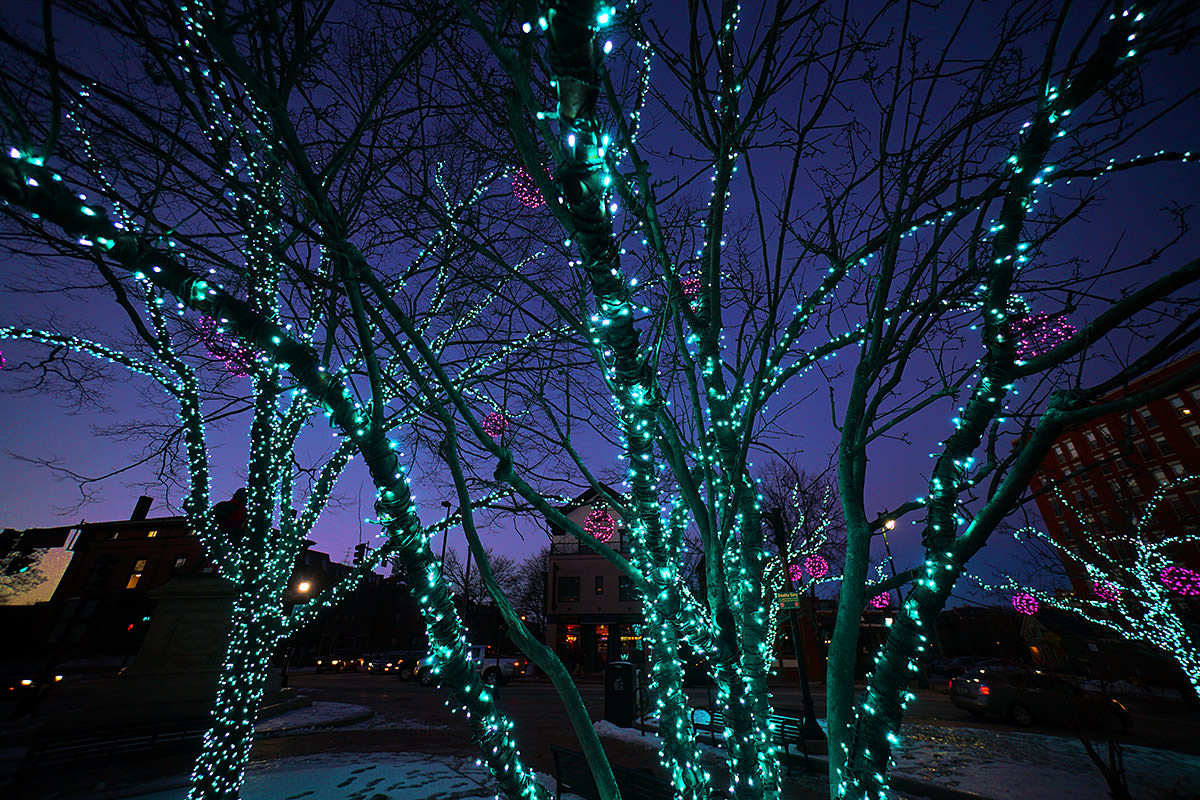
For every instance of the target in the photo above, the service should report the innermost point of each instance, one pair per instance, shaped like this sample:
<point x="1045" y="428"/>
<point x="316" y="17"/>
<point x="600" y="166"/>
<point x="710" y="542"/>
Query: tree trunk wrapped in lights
<point x="28" y="185"/>
<point x="691" y="350"/>
<point x="862" y="738"/>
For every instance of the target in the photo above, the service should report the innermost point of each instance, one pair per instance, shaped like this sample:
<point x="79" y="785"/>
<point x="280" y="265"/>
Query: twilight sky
<point x="1128" y="222"/>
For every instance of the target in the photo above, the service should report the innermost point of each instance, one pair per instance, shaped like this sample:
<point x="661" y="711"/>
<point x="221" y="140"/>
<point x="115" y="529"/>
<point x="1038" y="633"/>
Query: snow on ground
<point x="1006" y="765"/>
<point x="360" y="776"/>
<point x="995" y="764"/>
<point x="367" y="776"/>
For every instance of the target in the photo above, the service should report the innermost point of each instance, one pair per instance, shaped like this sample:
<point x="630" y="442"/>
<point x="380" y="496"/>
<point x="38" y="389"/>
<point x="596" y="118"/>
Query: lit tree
<point x="932" y="259"/>
<point x="1139" y="590"/>
<point x="257" y="555"/>
<point x="254" y="541"/>
<point x="910" y="245"/>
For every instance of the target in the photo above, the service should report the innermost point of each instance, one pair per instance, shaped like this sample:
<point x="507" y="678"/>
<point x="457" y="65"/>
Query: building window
<point x="151" y="534"/>
<point x="568" y="588"/>
<point x="1106" y="434"/>
<point x="1181" y="410"/>
<point x="1176" y="469"/>
<point x="1163" y="445"/>
<point x="180" y="561"/>
<point x="599" y="584"/>
<point x="1072" y="453"/>
<point x="1177" y="506"/>
<point x="139" y="567"/>
<point x="1193" y="429"/>
<point x="625" y="592"/>
<point x="1092" y="441"/>
<point x="1147" y="417"/>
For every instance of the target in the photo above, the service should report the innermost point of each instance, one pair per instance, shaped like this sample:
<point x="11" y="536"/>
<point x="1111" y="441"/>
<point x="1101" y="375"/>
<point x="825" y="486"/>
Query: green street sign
<point x="788" y="600"/>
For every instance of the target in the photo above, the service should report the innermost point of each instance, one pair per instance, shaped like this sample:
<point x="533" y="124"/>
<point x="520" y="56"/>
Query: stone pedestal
<point x="174" y="674"/>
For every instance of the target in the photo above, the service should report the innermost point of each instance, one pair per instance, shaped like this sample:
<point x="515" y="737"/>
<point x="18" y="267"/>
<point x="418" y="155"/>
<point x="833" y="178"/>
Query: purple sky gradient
<point x="1123" y="227"/>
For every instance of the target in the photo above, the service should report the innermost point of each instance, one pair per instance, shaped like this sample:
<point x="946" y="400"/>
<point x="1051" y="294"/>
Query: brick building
<point x="1110" y="467"/>
<point x="101" y="603"/>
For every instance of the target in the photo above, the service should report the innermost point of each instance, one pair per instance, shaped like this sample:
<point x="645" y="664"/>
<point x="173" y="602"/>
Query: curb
<point x="351" y="718"/>
<point x="896" y="780"/>
<point x="911" y="784"/>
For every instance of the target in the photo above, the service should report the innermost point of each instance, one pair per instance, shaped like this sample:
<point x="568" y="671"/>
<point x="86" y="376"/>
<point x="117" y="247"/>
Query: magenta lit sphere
<point x="1106" y="590"/>
<point x="1035" y="334"/>
<point x="881" y="600"/>
<point x="600" y="525"/>
<point x="495" y="424"/>
<point x="1026" y="604"/>
<point x="816" y="566"/>
<point x="526" y="191"/>
<point x="795" y="573"/>
<point x="1181" y="580"/>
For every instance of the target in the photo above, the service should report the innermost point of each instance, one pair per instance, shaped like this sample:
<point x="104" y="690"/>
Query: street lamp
<point x="890" y="525"/>
<point x="302" y="589"/>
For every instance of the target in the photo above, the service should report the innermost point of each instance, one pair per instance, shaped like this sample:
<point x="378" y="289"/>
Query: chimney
<point x="141" y="509"/>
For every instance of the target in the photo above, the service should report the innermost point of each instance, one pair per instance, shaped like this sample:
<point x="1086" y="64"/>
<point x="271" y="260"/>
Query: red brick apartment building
<point x="1111" y="467"/>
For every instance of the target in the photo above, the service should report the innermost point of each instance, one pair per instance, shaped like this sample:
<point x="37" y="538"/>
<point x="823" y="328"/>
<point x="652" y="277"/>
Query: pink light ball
<point x="1181" y="580"/>
<point x="600" y="525"/>
<point x="1025" y="604"/>
<point x="495" y="424"/>
<point x="816" y="566"/>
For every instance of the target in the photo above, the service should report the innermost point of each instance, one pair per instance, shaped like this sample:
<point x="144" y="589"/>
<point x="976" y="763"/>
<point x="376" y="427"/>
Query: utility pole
<point x="446" y="533"/>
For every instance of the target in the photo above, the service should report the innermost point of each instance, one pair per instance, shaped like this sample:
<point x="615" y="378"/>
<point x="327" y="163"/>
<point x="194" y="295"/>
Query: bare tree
<point x="467" y="583"/>
<point x="889" y="213"/>
<point x="1137" y="587"/>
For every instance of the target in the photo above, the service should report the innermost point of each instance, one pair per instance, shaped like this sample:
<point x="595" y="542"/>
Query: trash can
<point x="620" y="693"/>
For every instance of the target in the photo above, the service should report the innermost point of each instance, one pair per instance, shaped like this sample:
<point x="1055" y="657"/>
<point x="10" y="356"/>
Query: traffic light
<point x="360" y="553"/>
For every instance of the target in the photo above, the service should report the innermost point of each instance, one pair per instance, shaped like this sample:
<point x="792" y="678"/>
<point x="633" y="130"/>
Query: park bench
<point x="573" y="775"/>
<point x="50" y="750"/>
<point x="787" y="723"/>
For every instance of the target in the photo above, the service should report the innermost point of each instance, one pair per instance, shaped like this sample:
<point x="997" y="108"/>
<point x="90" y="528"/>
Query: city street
<point x="943" y="744"/>
<point x="540" y="720"/>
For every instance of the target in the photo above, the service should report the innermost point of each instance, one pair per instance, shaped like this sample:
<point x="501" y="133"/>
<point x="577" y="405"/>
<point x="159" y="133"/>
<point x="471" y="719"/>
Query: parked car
<point x="494" y="668"/>
<point x="339" y="661"/>
<point x="945" y="671"/>
<point x="398" y="662"/>
<point x="1026" y="696"/>
<point x="20" y="679"/>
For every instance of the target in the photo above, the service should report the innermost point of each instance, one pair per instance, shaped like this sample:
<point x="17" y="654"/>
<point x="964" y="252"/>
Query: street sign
<point x="788" y="600"/>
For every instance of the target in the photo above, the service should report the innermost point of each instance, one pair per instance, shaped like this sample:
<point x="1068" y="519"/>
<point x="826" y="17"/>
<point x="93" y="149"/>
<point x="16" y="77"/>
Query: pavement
<point x="336" y="734"/>
<point x="308" y="733"/>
